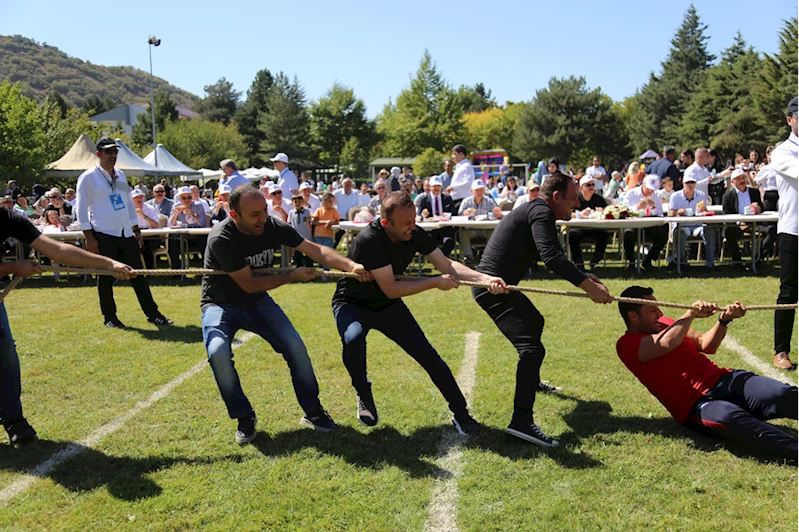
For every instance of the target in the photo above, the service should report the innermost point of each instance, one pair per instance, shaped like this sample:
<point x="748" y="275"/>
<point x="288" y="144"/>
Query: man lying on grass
<point x="667" y="356"/>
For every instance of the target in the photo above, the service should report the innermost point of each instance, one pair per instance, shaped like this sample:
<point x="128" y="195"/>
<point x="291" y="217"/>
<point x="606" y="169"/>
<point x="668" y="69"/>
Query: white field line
<point x="73" y="449"/>
<point x="750" y="358"/>
<point x="443" y="514"/>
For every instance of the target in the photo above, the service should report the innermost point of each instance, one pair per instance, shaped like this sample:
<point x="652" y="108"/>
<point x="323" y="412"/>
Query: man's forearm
<point x="71" y="255"/>
<point x="329" y="257"/>
<point x="711" y="340"/>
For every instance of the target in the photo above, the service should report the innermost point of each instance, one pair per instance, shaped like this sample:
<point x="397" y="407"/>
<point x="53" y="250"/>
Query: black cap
<point x="105" y="142"/>
<point x="792" y="106"/>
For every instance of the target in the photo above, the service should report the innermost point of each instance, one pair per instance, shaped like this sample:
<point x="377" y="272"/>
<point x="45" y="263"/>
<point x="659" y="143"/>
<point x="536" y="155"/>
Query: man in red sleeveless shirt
<point x="668" y="357"/>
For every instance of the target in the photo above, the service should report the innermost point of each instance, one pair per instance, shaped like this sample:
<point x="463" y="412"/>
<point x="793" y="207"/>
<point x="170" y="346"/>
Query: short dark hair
<point x="756" y="151"/>
<point x="394" y="201"/>
<point x="637" y="292"/>
<point x="240" y="192"/>
<point x="668" y="149"/>
<point x="459" y="148"/>
<point x="688" y="152"/>
<point x="557" y="182"/>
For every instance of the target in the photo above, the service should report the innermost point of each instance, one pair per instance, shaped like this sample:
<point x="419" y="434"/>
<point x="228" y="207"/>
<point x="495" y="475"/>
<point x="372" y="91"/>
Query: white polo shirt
<point x="596" y="172"/>
<point x="767" y="178"/>
<point x="786" y="165"/>
<point x="149" y="212"/>
<point x="634" y="196"/>
<point x="462" y="180"/>
<point x="287" y="182"/>
<point x="95" y="207"/>
<point x="702" y="176"/>
<point x="345" y="202"/>
<point x="679" y="201"/>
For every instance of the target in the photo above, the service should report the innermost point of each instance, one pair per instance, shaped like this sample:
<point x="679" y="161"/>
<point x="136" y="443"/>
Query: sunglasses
<point x="185" y="198"/>
<point x="590" y="186"/>
<point x="276" y="192"/>
<point x="159" y="191"/>
<point x="109" y="151"/>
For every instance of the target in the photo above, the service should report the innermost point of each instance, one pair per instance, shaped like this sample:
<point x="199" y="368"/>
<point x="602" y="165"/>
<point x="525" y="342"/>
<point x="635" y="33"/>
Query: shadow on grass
<point x="86" y="469"/>
<point x="591" y="418"/>
<point x="184" y="334"/>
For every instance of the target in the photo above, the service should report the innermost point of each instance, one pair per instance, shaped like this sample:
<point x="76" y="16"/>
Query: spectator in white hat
<point x="288" y="180"/>
<point x="186" y="215"/>
<point x="533" y="190"/>
<point x="221" y="208"/>
<point x="309" y="199"/>
<point x="277" y="206"/>
<point x="148" y="219"/>
<point x="644" y="199"/>
<point x="478" y="204"/>
<point x="438" y="205"/>
<point x="589" y="201"/>
<point x="232" y="176"/>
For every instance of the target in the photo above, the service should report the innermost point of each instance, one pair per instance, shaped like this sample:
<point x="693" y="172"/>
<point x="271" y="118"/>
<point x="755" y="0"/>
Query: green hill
<point x="40" y="68"/>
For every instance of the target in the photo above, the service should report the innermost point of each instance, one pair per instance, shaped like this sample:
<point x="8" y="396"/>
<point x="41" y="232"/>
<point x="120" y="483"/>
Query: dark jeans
<point x="783" y="319"/>
<point x="10" y="381"/>
<point x="354" y="322"/>
<point x="659" y="236"/>
<point x="337" y="236"/>
<point x="737" y="407"/>
<point x="266" y="319"/>
<point x="522" y="324"/>
<point x="301" y="260"/>
<point x="124" y="250"/>
<point x="770" y="199"/>
<point x="734" y="234"/>
<point x="445" y="239"/>
<point x="576" y="236"/>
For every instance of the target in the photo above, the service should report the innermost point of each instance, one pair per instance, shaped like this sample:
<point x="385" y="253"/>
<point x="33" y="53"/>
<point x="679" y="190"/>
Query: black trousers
<point x="445" y="238"/>
<point x="783" y="319"/>
<point x="733" y="234"/>
<point x="576" y="236"/>
<point x="659" y="236"/>
<point x="737" y="407"/>
<point x="124" y="250"/>
<point x="522" y="324"/>
<point x="337" y="236"/>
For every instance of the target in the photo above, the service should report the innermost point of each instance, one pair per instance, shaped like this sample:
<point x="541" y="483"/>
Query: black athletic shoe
<point x="19" y="431"/>
<point x="319" y="419"/>
<point x="466" y="425"/>
<point x="159" y="319"/>
<point x="246" y="431"/>
<point x="529" y="431"/>
<point x="367" y="411"/>
<point x="114" y="323"/>
<point x="548" y="388"/>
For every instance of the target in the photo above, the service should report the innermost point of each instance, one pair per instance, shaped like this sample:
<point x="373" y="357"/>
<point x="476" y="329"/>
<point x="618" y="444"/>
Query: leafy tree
<point x="479" y="98"/>
<point x="491" y="128"/>
<point x="22" y="155"/>
<point x="164" y="112"/>
<point x="57" y="102"/>
<point x="429" y="162"/>
<point x="337" y="119"/>
<point x="566" y="117"/>
<point x="778" y="83"/>
<point x="354" y="158"/>
<point x="201" y="143"/>
<point x="247" y="115"/>
<point x="286" y="126"/>
<point x="94" y="105"/>
<point x="663" y="101"/>
<point x="220" y="102"/>
<point x="427" y="114"/>
<point x="60" y="132"/>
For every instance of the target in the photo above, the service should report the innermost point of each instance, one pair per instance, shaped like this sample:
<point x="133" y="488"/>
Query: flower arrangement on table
<point x="614" y="212"/>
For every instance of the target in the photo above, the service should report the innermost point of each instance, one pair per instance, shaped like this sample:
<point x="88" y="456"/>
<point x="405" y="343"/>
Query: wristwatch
<point x="724" y="322"/>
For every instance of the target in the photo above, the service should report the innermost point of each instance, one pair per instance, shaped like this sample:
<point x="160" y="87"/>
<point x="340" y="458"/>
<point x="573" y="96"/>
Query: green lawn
<point x="623" y="464"/>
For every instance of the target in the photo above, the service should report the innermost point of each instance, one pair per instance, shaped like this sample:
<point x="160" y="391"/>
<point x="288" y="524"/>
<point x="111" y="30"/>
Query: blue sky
<point x="514" y="48"/>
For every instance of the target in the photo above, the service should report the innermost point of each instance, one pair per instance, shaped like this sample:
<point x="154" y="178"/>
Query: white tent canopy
<point x="168" y="164"/>
<point x="258" y="173"/>
<point x="127" y="158"/>
<point x="80" y="157"/>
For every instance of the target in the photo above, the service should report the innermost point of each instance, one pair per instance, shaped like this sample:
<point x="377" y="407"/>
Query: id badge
<point x="116" y="201"/>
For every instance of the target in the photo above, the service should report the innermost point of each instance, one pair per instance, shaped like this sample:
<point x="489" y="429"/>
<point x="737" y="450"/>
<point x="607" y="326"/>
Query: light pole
<point x="153" y="41"/>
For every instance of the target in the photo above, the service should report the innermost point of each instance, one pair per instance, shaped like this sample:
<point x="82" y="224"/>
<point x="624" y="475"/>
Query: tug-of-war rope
<point x="320" y="273"/>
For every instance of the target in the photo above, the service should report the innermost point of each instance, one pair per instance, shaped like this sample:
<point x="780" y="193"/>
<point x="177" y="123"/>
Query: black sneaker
<point x="319" y="419"/>
<point x="159" y="319"/>
<point x="529" y="431"/>
<point x="466" y="425"/>
<point x="246" y="431"/>
<point x="367" y="411"/>
<point x="114" y="323"/>
<point x="19" y="431"/>
<point x="548" y="388"/>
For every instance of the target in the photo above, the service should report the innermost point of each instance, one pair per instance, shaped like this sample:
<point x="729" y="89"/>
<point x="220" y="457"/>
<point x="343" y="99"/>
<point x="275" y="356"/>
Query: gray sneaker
<point x="246" y="431"/>
<point x="319" y="419"/>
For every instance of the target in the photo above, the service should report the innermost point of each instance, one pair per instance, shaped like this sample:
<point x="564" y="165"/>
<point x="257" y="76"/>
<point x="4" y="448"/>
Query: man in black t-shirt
<point x="247" y="239"/>
<point x="385" y="248"/>
<point x="14" y="225"/>
<point x="522" y="235"/>
<point x="589" y="201"/>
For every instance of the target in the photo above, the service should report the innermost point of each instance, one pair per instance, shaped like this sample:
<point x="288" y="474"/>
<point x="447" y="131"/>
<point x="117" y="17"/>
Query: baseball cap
<point x="435" y="181"/>
<point x="105" y="143"/>
<point x="652" y="181"/>
<point x="792" y="105"/>
<point x="274" y="188"/>
<point x="184" y="190"/>
<point x="689" y="179"/>
<point x="224" y="188"/>
<point x="136" y="193"/>
<point x="305" y="185"/>
<point x="534" y="186"/>
<point x="738" y="172"/>
<point x="282" y="157"/>
<point x="586" y="179"/>
<point x="478" y="183"/>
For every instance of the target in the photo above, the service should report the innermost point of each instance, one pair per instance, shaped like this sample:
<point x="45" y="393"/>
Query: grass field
<point x="624" y="464"/>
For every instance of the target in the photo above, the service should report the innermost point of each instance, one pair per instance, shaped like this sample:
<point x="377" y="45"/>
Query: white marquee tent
<point x="168" y="163"/>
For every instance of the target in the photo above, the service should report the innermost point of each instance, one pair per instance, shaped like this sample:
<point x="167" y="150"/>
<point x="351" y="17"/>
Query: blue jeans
<point x="396" y="322"/>
<point x="708" y="235"/>
<point x="266" y="319"/>
<point x="324" y="241"/>
<point x="10" y="382"/>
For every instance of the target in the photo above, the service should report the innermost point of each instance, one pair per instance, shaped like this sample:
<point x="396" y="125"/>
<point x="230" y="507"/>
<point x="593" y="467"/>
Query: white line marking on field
<point x="443" y="514"/>
<point x="750" y="358"/>
<point x="73" y="449"/>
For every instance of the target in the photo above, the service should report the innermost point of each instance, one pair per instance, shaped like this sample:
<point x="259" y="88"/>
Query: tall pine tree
<point x="247" y="114"/>
<point x="220" y="102"/>
<point x="286" y="125"/>
<point x="778" y="83"/>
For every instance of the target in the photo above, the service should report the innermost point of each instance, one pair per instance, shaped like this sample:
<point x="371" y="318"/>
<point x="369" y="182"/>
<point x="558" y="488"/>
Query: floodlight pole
<point x="152" y="41"/>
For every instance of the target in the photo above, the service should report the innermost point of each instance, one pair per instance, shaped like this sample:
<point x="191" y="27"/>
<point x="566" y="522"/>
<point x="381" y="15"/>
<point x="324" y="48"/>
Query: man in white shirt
<point x="690" y="202"/>
<point x="287" y="180"/>
<point x="232" y="177"/>
<point x="309" y="200"/>
<point x="598" y="172"/>
<point x="645" y="200"/>
<point x="785" y="162"/>
<point x="460" y="187"/>
<point x="346" y="198"/>
<point x="109" y="222"/>
<point x="197" y="200"/>
<point x="71" y="198"/>
<point x="699" y="172"/>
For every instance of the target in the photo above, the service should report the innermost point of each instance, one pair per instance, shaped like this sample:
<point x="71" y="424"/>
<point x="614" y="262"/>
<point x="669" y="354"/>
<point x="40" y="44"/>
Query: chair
<point x="163" y="249"/>
<point x="506" y="205"/>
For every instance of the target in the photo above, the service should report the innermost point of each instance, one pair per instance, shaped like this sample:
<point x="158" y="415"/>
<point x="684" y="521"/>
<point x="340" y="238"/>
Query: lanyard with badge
<point x="115" y="197"/>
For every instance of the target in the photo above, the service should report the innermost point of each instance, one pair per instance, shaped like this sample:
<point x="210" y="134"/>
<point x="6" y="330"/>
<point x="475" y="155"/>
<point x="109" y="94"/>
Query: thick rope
<point x="278" y="271"/>
<point x="13" y="284"/>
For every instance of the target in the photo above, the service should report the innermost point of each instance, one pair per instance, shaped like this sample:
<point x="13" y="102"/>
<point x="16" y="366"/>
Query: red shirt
<point x="677" y="379"/>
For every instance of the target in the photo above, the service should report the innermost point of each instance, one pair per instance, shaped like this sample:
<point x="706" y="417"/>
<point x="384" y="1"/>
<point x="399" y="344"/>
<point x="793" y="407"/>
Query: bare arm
<point x="253" y="284"/>
<point x="74" y="256"/>
<point x="396" y="289"/>
<point x="330" y="257"/>
<point x="710" y="341"/>
<point x="656" y="345"/>
<point x="461" y="272"/>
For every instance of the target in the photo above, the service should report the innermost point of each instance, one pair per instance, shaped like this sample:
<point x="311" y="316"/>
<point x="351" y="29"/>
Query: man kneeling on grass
<point x="667" y="356"/>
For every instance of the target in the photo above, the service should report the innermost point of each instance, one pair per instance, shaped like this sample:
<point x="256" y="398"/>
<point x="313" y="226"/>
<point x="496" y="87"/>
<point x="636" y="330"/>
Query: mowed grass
<point x="624" y="463"/>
